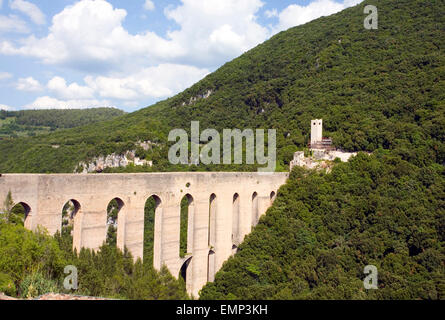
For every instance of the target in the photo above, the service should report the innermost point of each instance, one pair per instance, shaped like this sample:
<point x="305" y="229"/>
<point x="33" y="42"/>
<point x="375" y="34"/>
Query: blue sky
<point x="130" y="54"/>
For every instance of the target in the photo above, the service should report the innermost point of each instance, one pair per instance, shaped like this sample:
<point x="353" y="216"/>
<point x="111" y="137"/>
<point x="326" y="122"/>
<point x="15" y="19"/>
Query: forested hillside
<point x="32" y="264"/>
<point x="323" y="229"/>
<point x="373" y="88"/>
<point x="32" y="122"/>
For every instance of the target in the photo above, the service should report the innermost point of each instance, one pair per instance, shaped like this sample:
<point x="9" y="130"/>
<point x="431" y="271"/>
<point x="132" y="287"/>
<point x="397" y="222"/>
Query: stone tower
<point x="316" y="131"/>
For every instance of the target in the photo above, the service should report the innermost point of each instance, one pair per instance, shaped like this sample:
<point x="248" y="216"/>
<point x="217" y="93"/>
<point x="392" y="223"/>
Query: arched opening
<point x="19" y="213"/>
<point x="69" y="212"/>
<point x="213" y="210"/>
<point x="254" y="209"/>
<point x="113" y="208"/>
<point x="235" y="219"/>
<point x="211" y="266"/>
<point x="184" y="268"/>
<point x="152" y="206"/>
<point x="272" y="197"/>
<point x="212" y="220"/>
<point x="185" y="238"/>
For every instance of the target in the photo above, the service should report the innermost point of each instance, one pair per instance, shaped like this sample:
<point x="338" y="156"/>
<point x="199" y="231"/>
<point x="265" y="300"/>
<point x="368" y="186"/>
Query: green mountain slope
<point x="32" y="122"/>
<point x="323" y="229"/>
<point x="373" y="88"/>
<point x="385" y="210"/>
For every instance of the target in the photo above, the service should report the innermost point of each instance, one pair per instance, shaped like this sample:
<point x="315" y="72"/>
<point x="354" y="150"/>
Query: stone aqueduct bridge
<point x="223" y="207"/>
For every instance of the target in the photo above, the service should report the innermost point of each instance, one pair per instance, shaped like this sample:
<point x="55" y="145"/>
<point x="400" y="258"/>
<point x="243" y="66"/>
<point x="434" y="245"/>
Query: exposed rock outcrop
<point x="192" y="100"/>
<point x="320" y="158"/>
<point x="99" y="164"/>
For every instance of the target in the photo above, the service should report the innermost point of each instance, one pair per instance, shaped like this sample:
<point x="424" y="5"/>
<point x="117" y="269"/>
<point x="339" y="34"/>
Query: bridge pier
<point x="200" y="252"/>
<point x="224" y="228"/>
<point x="169" y="251"/>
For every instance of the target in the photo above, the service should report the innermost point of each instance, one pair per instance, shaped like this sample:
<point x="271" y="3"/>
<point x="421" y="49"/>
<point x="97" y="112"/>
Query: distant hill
<point x="33" y="122"/>
<point x="373" y="88"/>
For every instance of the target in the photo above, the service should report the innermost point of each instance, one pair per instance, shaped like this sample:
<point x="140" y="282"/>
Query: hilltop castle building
<point x="316" y="131"/>
<point x="322" y="150"/>
<point x="317" y="139"/>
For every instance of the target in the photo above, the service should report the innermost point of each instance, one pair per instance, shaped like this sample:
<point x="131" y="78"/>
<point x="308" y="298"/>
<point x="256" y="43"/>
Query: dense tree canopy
<point x="323" y="229"/>
<point x="33" y="122"/>
<point x="32" y="264"/>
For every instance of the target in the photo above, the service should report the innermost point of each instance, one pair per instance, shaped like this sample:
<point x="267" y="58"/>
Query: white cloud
<point x="152" y="82"/>
<point x="29" y="9"/>
<point x="213" y="31"/>
<point x="89" y="35"/>
<point x="28" y="84"/>
<point x="295" y="15"/>
<point x="72" y="91"/>
<point x="350" y="3"/>
<point x="12" y="23"/>
<point x="149" y="5"/>
<point x="46" y="102"/>
<point x="271" y="13"/>
<point x="225" y="39"/>
<point x="5" y="107"/>
<point x="5" y="75"/>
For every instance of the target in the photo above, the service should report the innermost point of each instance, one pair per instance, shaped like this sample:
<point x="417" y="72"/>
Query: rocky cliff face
<point x="192" y="100"/>
<point x="99" y="164"/>
<point x="320" y="158"/>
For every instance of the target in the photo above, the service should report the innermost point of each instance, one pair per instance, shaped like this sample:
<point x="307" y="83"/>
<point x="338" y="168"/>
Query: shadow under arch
<point x="113" y="209"/>
<point x="20" y="213"/>
<point x="211" y="266"/>
<point x="152" y="231"/>
<point x="213" y="211"/>
<point x="186" y="225"/>
<point x="255" y="213"/>
<point x="273" y="196"/>
<point x="184" y="269"/>
<point x="236" y="220"/>
<point x="69" y="212"/>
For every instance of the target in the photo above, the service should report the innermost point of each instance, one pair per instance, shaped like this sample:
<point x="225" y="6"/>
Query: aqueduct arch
<point x="22" y="208"/>
<point x="220" y="213"/>
<point x="70" y="217"/>
<point x="255" y="209"/>
<point x="235" y="220"/>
